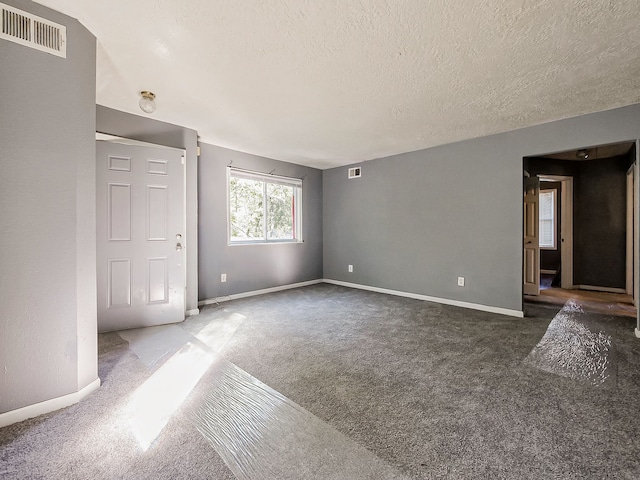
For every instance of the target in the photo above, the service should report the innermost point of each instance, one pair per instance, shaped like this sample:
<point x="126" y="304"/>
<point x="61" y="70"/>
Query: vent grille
<point x="33" y="31"/>
<point x="355" y="172"/>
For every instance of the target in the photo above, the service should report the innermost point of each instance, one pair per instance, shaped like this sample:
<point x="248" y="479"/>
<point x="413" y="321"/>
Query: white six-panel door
<point x="140" y="236"/>
<point x="531" y="267"/>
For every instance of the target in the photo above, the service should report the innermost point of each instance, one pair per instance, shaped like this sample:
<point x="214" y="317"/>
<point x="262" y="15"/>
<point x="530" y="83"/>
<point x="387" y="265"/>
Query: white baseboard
<point x="192" y="312"/>
<point x="637" y="332"/>
<point x="446" y="301"/>
<point x="600" y="289"/>
<point x="417" y="296"/>
<point x="253" y="293"/>
<point x="30" y="411"/>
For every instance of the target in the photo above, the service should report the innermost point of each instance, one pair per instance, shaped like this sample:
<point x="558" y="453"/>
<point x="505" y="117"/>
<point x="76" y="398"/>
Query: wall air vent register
<point x="355" y="172"/>
<point x="32" y="31"/>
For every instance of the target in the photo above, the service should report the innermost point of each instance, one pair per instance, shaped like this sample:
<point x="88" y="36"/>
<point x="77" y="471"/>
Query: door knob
<point x="178" y="246"/>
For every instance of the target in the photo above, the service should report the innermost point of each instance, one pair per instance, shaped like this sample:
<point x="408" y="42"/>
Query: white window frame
<point x="554" y="237"/>
<point x="267" y="179"/>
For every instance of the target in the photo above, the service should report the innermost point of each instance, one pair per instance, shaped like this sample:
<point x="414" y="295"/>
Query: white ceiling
<point x="331" y="82"/>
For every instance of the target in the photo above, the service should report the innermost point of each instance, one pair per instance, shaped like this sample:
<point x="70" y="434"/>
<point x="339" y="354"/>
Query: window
<point x="264" y="208"/>
<point x="548" y="219"/>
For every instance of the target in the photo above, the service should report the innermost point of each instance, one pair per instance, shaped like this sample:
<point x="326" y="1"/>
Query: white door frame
<point x="531" y="237"/>
<point x="185" y="239"/>
<point x="566" y="227"/>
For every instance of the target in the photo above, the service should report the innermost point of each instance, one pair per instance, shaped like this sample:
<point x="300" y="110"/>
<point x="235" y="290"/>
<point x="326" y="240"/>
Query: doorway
<point x="140" y="224"/>
<point x="585" y="226"/>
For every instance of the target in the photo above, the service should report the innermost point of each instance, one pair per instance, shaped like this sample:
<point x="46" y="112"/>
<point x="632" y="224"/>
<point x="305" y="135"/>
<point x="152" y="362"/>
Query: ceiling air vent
<point x="33" y="31"/>
<point x="355" y="172"/>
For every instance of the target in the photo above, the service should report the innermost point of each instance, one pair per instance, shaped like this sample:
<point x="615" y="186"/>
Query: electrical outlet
<point x="350" y="268"/>
<point x="223" y="277"/>
<point x="461" y="281"/>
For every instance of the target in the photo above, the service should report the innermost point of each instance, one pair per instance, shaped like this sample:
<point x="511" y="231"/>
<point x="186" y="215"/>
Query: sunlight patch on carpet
<point x="153" y="404"/>
<point x="218" y="332"/>
<point x="153" y="345"/>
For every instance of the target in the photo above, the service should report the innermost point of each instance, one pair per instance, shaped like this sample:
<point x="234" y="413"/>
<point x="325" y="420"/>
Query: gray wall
<point x="48" y="338"/>
<point x="137" y="127"/>
<point x="253" y="267"/>
<point x="415" y="222"/>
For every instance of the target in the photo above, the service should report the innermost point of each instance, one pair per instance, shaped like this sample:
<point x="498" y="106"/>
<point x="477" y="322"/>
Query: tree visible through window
<point x="263" y="208"/>
<point x="548" y="219"/>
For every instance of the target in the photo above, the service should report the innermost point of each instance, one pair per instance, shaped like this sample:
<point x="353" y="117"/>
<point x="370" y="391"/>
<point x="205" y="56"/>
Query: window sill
<point x="283" y="242"/>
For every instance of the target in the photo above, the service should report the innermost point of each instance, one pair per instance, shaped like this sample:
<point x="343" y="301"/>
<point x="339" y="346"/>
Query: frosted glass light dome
<point x="147" y="102"/>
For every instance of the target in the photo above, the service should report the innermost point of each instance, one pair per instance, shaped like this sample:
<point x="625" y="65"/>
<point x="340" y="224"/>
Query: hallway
<point x="617" y="304"/>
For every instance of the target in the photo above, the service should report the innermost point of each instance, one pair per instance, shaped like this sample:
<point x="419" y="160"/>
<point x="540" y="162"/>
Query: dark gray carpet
<point x="263" y="435"/>
<point x="431" y="390"/>
<point x="92" y="440"/>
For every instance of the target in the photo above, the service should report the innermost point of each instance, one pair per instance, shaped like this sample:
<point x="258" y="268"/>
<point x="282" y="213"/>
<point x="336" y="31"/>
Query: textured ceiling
<point x="331" y="82"/>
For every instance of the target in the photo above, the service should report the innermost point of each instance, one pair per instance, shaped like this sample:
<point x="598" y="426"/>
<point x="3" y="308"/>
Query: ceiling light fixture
<point x="147" y="101"/>
<point x="583" y="154"/>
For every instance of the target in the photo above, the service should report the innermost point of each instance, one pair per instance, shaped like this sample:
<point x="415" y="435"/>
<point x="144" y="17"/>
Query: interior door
<point x="531" y="264"/>
<point x="140" y="229"/>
